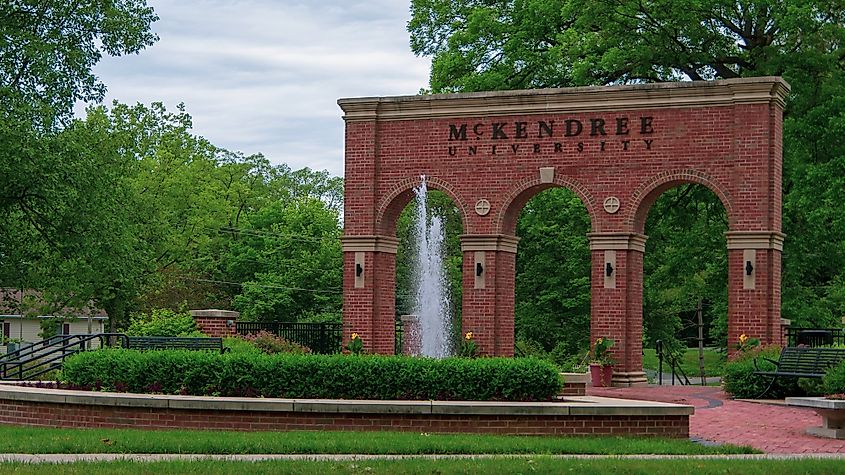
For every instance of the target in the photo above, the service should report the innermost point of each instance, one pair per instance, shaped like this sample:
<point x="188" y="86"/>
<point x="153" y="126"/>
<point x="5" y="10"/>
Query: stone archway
<point x="616" y="147"/>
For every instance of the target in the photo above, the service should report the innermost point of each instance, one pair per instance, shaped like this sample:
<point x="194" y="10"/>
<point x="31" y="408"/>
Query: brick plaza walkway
<point x="771" y="428"/>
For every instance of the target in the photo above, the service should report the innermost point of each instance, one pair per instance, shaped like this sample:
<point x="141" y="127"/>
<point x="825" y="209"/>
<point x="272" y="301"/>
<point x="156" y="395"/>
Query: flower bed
<point x="313" y="376"/>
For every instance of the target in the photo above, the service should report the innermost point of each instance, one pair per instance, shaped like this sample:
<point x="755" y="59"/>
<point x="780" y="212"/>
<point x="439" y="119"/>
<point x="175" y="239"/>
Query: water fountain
<point x="431" y="304"/>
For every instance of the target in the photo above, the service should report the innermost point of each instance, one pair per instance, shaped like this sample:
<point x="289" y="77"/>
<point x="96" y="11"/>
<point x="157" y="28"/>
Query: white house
<point x="25" y="328"/>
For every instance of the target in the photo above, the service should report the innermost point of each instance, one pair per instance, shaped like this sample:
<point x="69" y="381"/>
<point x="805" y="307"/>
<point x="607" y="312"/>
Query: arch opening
<point x="685" y="272"/>
<point x="552" y="283"/>
<point x="407" y="277"/>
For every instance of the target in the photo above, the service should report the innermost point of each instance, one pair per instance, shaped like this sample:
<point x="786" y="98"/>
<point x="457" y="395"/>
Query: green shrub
<point x="313" y="376"/>
<point x="738" y="378"/>
<point x="834" y="380"/>
<point x="163" y="322"/>
<point x="239" y="345"/>
<point x="272" y="344"/>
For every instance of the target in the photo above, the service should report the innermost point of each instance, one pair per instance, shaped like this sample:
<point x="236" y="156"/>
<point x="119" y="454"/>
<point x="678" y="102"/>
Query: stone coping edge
<point x="572" y="405"/>
<point x="817" y="402"/>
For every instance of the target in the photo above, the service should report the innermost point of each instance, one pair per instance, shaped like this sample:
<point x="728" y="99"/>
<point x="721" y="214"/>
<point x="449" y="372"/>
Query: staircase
<point x="33" y="361"/>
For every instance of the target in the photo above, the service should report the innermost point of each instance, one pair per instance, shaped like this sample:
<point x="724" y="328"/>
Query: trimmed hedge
<point x="738" y="378"/>
<point x="313" y="376"/>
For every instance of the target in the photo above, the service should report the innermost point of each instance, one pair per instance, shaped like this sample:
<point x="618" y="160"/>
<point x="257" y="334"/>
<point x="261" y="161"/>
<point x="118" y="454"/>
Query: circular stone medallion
<point x="611" y="204"/>
<point x="482" y="207"/>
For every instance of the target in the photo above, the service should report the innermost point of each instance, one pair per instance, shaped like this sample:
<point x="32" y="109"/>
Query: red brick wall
<point x="76" y="416"/>
<point x="216" y="323"/>
<point x="733" y="148"/>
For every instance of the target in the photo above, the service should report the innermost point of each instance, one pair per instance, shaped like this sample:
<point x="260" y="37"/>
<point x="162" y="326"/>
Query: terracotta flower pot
<point x="601" y="374"/>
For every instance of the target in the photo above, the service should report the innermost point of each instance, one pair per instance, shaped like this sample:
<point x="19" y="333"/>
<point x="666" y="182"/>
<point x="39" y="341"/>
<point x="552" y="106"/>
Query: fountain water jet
<point x="432" y="295"/>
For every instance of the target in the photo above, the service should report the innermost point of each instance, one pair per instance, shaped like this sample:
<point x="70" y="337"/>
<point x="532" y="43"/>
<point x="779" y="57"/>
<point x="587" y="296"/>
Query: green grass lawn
<point x="538" y="465"/>
<point x="713" y="361"/>
<point x="34" y="440"/>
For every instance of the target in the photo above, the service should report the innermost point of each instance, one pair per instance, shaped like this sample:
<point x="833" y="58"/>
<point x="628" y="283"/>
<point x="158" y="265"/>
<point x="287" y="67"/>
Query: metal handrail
<point x="673" y="365"/>
<point x="47" y="355"/>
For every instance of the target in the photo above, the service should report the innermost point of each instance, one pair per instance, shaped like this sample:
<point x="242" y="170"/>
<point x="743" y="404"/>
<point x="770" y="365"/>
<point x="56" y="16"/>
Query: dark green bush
<point x="738" y="378"/>
<point x="163" y="322"/>
<point x="834" y="380"/>
<point x="313" y="376"/>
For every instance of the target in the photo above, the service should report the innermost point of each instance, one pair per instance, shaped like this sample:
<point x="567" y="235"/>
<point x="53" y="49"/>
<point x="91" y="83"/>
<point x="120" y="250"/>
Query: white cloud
<point x="264" y="76"/>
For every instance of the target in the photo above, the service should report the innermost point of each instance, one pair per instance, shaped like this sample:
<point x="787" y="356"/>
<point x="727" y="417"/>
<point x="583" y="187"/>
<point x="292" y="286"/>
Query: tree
<point x="289" y="259"/>
<point x="61" y="200"/>
<point x="49" y="47"/>
<point x="511" y="44"/>
<point x="515" y="44"/>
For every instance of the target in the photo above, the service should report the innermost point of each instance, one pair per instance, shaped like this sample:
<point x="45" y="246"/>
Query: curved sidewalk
<point x="768" y="426"/>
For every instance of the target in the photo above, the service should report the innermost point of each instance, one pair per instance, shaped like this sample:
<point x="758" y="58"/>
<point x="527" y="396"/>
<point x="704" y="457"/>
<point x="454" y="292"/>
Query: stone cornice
<point x="617" y="241"/>
<point x="759" y="90"/>
<point x="370" y="244"/>
<point x="755" y="240"/>
<point x="489" y="242"/>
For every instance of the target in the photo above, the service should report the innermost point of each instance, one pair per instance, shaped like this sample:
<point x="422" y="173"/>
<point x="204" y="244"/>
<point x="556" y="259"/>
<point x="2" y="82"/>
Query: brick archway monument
<point x="618" y="148"/>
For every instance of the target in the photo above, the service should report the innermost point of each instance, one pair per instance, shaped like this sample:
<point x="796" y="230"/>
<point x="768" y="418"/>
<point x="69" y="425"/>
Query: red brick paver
<point x="771" y="428"/>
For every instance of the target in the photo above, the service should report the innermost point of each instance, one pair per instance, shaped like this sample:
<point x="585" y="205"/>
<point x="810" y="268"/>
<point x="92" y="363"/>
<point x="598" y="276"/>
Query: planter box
<point x="601" y="375"/>
<point x="574" y="384"/>
<point x="832" y="412"/>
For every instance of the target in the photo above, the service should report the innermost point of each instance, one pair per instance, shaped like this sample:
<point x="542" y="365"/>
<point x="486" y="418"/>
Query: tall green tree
<point x="60" y="180"/>
<point x="515" y="44"/>
<point x="48" y="49"/>
<point x="289" y="259"/>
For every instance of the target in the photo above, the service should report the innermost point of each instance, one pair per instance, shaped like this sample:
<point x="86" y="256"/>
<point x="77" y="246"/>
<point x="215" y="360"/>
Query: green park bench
<point x="174" y="343"/>
<point x="801" y="362"/>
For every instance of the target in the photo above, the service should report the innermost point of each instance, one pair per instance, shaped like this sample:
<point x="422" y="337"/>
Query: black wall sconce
<point x="479" y="269"/>
<point x="748" y="268"/>
<point x="358" y="270"/>
<point x="608" y="269"/>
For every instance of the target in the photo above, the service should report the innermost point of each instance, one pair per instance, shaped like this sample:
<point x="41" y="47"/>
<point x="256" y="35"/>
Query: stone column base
<point x="629" y="379"/>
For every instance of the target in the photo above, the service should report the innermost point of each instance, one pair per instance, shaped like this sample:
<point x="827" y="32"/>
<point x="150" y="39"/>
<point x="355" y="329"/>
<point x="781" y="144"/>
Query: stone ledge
<point x="574" y="405"/>
<point x="759" y="90"/>
<point x="816" y="402"/>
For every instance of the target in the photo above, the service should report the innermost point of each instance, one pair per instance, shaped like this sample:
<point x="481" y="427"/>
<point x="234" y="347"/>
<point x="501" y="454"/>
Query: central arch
<point x="616" y="147"/>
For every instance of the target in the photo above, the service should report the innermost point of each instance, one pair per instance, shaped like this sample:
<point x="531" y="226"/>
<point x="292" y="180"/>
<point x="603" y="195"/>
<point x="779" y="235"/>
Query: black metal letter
<point x="456" y="133"/>
<point x="622" y="126"/>
<point x="645" y="125"/>
<point x="545" y="129"/>
<point x="520" y="130"/>
<point x="578" y="127"/>
<point x="597" y="127"/>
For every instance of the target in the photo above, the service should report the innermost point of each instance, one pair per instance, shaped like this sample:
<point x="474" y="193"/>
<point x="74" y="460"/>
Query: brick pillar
<point x="488" y="291"/>
<point x="754" y="291"/>
<point x="216" y="323"/>
<point x="616" y="305"/>
<point x="369" y="285"/>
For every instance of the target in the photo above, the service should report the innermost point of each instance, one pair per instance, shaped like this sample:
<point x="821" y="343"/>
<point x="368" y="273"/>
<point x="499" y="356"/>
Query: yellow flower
<point x="743" y="338"/>
<point x="354" y="336"/>
<point x="468" y="336"/>
<point x="599" y="340"/>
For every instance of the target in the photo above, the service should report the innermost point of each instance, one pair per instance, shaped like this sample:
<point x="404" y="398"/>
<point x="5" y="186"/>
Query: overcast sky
<point x="265" y="75"/>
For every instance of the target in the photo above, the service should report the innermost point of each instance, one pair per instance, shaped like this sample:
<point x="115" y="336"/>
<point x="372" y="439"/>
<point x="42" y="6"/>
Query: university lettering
<point x="594" y="134"/>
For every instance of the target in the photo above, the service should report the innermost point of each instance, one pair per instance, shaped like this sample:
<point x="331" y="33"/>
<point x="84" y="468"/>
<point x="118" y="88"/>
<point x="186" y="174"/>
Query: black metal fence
<point x="815" y="336"/>
<point x="323" y="338"/>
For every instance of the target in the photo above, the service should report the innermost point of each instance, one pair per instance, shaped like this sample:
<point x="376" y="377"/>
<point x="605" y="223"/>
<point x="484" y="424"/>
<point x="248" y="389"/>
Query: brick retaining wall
<point x="588" y="416"/>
